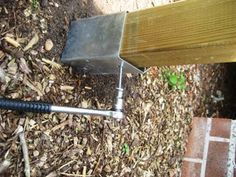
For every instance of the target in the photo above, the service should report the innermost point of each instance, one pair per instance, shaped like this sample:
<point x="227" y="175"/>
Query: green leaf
<point x="173" y="79"/>
<point x="176" y="80"/>
<point x="125" y="148"/>
<point x="182" y="87"/>
<point x="181" y="79"/>
<point x="35" y="4"/>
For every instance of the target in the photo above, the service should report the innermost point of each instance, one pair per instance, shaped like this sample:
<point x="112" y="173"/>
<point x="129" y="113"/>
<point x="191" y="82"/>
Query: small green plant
<point x="35" y="4"/>
<point x="175" y="80"/>
<point x="125" y="148"/>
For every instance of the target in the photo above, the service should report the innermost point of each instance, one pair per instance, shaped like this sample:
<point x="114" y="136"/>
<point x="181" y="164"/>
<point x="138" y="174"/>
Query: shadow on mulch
<point x="229" y="89"/>
<point x="217" y="95"/>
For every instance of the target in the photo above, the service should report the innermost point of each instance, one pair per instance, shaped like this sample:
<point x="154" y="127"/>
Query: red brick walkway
<point x="210" y="149"/>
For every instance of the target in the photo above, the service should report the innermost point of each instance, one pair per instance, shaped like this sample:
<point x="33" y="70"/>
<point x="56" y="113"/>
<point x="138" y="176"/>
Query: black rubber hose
<point x="25" y="106"/>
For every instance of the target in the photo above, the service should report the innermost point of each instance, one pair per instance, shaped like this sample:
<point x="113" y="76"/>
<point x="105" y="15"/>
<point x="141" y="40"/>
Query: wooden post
<point x="187" y="32"/>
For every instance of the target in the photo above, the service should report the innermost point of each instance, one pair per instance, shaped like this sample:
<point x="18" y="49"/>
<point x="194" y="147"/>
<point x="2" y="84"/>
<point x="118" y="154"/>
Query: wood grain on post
<point x="187" y="32"/>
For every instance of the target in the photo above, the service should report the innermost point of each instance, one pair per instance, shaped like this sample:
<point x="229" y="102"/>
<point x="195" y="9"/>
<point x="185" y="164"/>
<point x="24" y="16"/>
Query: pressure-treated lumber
<point x="187" y="32"/>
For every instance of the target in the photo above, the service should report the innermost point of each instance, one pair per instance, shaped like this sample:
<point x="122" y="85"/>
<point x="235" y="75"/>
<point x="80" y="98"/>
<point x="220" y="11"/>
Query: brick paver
<point x="210" y="149"/>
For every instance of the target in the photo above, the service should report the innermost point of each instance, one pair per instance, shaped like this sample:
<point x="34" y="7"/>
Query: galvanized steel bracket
<point x="93" y="45"/>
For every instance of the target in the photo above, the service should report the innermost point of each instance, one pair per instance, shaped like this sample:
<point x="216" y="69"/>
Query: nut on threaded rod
<point x="119" y="100"/>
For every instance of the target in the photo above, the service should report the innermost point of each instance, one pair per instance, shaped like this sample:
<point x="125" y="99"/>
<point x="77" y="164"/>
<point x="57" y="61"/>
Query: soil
<point x="157" y="119"/>
<point x="217" y="91"/>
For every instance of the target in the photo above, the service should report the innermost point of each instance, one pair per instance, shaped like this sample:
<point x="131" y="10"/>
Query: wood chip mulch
<point x="150" y="141"/>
